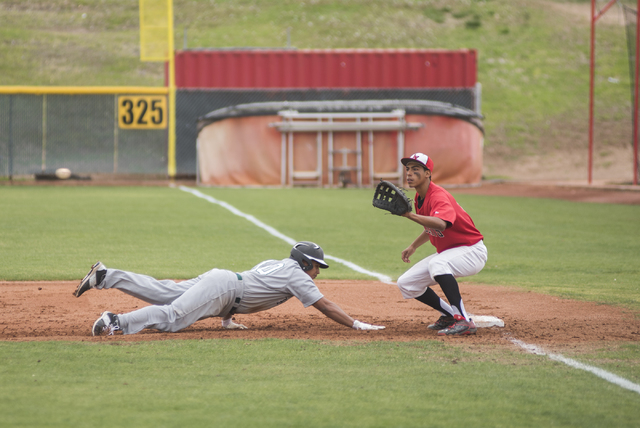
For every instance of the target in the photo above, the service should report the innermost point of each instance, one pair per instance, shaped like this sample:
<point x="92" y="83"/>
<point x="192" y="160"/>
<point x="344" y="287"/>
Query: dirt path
<point x="629" y="195"/>
<point x="49" y="311"/>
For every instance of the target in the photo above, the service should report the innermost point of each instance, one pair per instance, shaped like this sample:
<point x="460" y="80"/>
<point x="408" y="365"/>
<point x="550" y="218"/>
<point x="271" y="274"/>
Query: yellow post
<point x="156" y="44"/>
<point x="171" y="152"/>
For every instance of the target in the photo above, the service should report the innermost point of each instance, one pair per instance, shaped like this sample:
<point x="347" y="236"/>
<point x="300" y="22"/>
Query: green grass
<point x="275" y="383"/>
<point x="579" y="250"/>
<point x="622" y="360"/>
<point x="533" y="55"/>
<point x="161" y="231"/>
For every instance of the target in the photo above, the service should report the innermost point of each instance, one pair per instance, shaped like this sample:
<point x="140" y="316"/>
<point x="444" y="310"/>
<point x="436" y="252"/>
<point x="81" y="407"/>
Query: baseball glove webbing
<point x="390" y="198"/>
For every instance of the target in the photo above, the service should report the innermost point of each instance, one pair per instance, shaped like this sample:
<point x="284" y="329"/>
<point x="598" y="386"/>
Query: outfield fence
<point x="123" y="130"/>
<point x="45" y="128"/>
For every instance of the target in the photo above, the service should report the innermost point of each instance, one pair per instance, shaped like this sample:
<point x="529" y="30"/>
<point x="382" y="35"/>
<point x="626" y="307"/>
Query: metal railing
<point x="357" y="122"/>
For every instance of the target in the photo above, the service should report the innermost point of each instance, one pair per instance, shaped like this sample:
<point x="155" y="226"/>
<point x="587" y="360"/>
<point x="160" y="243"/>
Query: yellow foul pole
<point x="171" y="152"/>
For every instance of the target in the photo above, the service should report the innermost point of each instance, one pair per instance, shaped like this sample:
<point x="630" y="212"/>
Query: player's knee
<point x="405" y="282"/>
<point x="408" y="287"/>
<point x="401" y="282"/>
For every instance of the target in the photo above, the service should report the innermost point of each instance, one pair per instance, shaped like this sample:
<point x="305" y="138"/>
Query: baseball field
<point x="562" y="274"/>
<point x="563" y="270"/>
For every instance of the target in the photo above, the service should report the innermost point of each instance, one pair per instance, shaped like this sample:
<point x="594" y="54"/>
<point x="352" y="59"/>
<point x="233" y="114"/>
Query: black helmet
<point x="305" y="252"/>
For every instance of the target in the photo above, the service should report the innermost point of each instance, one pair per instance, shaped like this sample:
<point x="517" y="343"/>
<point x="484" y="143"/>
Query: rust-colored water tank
<point x="249" y="144"/>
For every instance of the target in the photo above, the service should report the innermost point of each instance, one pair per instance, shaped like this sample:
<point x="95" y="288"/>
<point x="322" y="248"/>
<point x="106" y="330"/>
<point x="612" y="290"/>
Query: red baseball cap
<point x="421" y="158"/>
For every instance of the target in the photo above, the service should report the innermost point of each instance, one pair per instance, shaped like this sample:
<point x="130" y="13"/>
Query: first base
<point x="486" y="321"/>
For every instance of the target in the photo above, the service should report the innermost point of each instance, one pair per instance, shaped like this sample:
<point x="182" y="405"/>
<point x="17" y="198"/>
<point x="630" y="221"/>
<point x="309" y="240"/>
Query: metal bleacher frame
<point x="293" y="121"/>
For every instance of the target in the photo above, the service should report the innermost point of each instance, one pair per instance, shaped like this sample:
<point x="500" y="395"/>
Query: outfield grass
<point x="291" y="383"/>
<point x="579" y="250"/>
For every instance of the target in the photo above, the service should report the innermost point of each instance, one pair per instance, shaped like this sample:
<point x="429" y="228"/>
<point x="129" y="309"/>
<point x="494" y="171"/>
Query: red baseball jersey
<point x="440" y="203"/>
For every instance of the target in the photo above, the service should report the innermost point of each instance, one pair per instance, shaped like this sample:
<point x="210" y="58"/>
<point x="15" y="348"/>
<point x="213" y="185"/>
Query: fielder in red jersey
<point x="460" y="250"/>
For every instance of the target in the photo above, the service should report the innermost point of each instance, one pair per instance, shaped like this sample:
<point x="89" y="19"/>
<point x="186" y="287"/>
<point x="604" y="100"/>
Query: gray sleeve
<point x="303" y="287"/>
<point x="272" y="282"/>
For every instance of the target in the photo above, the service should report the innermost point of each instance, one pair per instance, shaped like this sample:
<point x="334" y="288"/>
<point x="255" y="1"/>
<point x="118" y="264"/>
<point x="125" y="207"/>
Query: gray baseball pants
<point x="176" y="305"/>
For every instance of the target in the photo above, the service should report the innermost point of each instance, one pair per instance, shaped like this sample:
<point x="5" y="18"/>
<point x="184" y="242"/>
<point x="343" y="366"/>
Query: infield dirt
<point x="49" y="311"/>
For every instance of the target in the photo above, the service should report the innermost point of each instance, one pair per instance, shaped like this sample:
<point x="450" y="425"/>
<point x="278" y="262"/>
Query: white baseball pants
<point x="459" y="262"/>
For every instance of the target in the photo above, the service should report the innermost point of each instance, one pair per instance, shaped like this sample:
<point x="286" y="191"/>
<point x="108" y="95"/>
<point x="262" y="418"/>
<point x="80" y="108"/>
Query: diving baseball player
<point x="217" y="293"/>
<point x="460" y="250"/>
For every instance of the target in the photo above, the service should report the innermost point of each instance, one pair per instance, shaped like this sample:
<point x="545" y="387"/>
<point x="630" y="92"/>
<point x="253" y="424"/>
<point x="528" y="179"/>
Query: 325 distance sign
<point x="142" y="112"/>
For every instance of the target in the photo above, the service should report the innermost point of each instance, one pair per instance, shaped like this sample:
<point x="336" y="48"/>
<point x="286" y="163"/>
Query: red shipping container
<point x="326" y="68"/>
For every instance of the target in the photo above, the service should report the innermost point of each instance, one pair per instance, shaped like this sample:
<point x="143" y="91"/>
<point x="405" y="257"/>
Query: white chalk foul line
<point x="609" y="377"/>
<point x="277" y="234"/>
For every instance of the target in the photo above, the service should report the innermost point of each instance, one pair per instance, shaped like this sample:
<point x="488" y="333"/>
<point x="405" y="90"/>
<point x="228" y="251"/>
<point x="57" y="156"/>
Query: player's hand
<point x="358" y="325"/>
<point x="230" y="325"/>
<point x="407" y="253"/>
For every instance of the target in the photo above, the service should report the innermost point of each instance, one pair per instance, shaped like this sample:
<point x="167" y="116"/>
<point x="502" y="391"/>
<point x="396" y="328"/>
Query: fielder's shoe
<point x="462" y="327"/>
<point x="107" y="323"/>
<point x="92" y="279"/>
<point x="442" y="323"/>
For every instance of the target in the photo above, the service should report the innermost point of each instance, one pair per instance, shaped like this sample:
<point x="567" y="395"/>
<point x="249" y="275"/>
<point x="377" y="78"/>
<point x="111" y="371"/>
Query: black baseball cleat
<point x="92" y="279"/>
<point x="107" y="323"/>
<point x="462" y="327"/>
<point x="442" y="323"/>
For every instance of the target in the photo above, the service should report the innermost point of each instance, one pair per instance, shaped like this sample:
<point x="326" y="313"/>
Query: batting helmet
<point x="305" y="252"/>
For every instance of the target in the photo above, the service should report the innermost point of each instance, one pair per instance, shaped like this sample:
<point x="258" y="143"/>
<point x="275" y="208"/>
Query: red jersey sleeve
<point x="442" y="208"/>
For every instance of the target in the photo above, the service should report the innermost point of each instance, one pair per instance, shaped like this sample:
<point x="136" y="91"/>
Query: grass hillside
<point x="533" y="56"/>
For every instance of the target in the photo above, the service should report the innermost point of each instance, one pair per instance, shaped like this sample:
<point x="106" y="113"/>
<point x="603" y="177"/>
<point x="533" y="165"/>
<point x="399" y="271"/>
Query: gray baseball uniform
<point x="217" y="293"/>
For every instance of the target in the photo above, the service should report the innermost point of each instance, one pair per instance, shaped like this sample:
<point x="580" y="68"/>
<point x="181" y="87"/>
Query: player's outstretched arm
<point x="335" y="312"/>
<point x="427" y="221"/>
